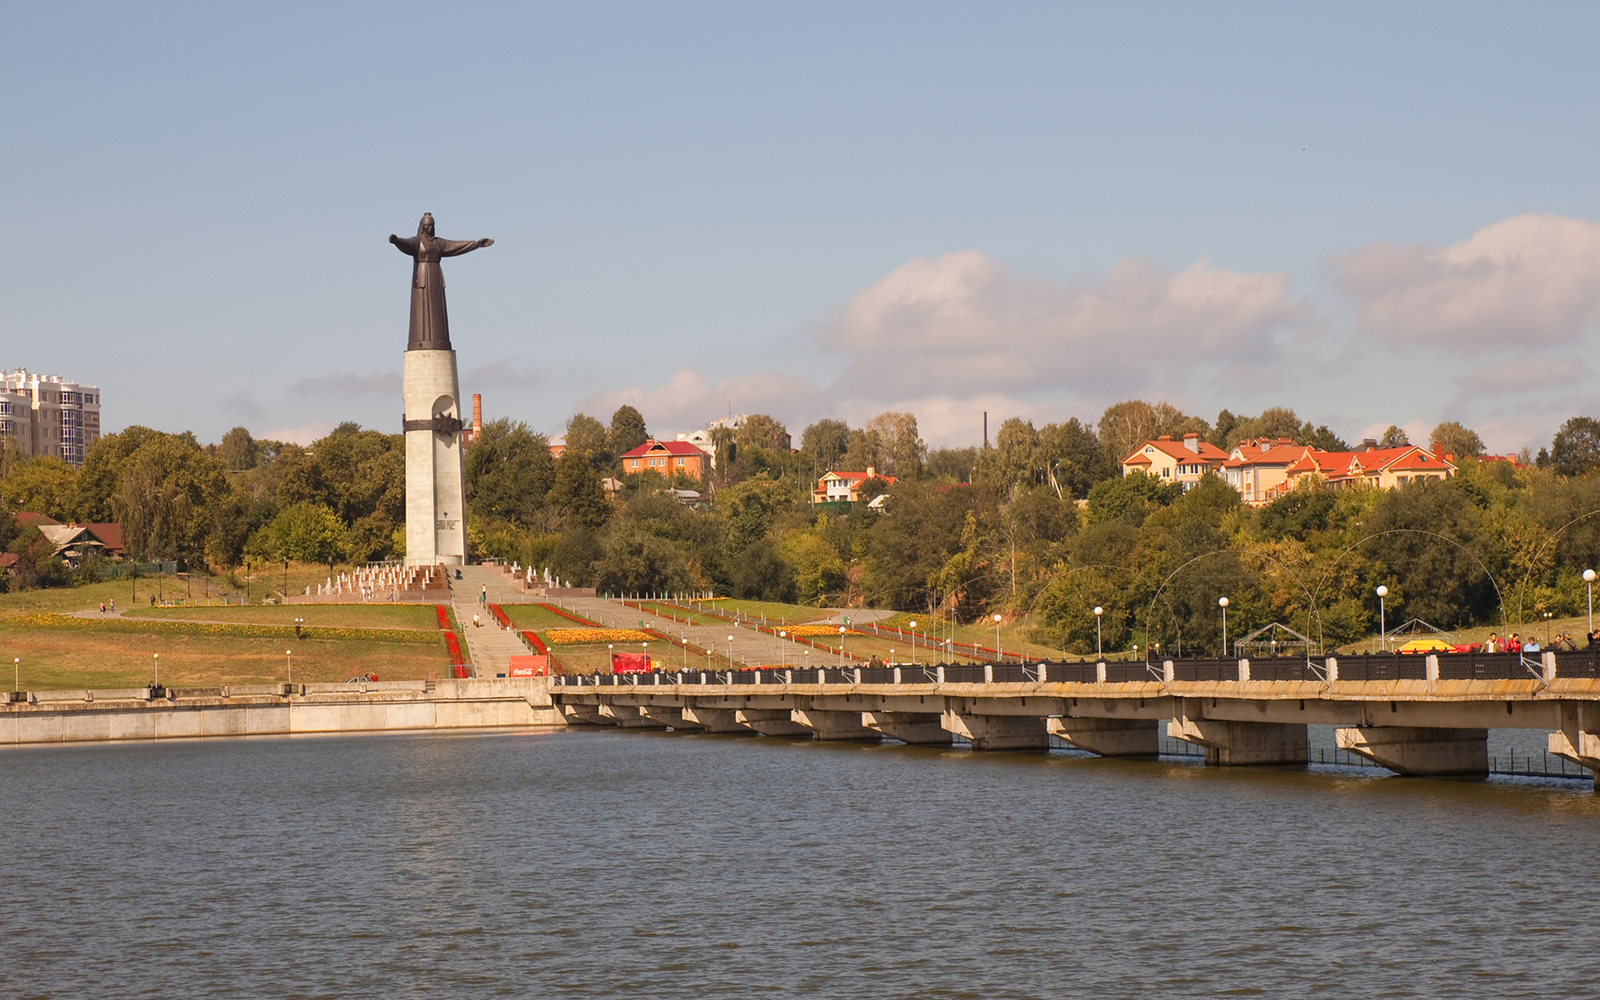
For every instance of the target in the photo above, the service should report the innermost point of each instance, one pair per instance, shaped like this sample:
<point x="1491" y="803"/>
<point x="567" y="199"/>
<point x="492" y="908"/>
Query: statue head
<point x="425" y="227"/>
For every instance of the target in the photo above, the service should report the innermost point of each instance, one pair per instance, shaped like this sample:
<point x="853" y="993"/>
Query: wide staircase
<point x="489" y="646"/>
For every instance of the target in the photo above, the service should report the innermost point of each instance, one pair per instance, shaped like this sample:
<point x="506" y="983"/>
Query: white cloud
<point x="302" y="435"/>
<point x="1528" y="281"/>
<point x="961" y="324"/>
<point x="687" y="402"/>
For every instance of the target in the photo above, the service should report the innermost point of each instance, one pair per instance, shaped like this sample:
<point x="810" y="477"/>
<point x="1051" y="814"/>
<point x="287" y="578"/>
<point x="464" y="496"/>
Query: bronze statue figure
<point x="430" y="326"/>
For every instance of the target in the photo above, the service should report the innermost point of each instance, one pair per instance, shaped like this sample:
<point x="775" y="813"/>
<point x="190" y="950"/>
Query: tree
<point x="1130" y="498"/>
<point x="824" y="444"/>
<point x="761" y="431"/>
<point x="1576" y="448"/>
<point x="103" y="463"/>
<point x="238" y="450"/>
<point x="900" y="449"/>
<point x="1457" y="440"/>
<point x="627" y="431"/>
<point x="509" y="472"/>
<point x="1015" y="460"/>
<point x="43" y="484"/>
<point x="1274" y="422"/>
<point x="1124" y="426"/>
<point x="166" y="496"/>
<point x="1322" y="438"/>
<point x="634" y="559"/>
<point x="1394" y="437"/>
<point x="307" y="532"/>
<point x="586" y="434"/>
<point x="576" y="492"/>
<point x="748" y="509"/>
<point x="1074" y="458"/>
<point x="951" y="463"/>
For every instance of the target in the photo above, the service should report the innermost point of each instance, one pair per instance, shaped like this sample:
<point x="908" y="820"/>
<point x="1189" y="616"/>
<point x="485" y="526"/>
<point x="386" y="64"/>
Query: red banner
<point x="629" y="663"/>
<point x="529" y="666"/>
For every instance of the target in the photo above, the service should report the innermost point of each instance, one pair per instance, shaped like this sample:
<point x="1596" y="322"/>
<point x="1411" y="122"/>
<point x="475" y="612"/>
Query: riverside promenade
<point x="76" y="716"/>
<point x="1413" y="715"/>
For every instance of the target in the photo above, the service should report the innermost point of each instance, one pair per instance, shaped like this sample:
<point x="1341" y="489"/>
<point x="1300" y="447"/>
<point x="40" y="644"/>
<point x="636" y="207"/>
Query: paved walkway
<point x="750" y="647"/>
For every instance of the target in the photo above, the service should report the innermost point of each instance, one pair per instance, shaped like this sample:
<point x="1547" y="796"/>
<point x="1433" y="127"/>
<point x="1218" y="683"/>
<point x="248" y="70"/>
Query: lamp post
<point x="1588" y="581"/>
<point x="841" y="647"/>
<point x="1547" y="616"/>
<point x="913" y="643"/>
<point x="157" y="681"/>
<point x="646" y="647"/>
<point x="288" y="655"/>
<point x="998" y="653"/>
<point x="1222" y="602"/>
<point x="16" y="673"/>
<point x="730" y="652"/>
<point x="1383" y="625"/>
<point x="286" y="581"/>
<point x="783" y="650"/>
<point x="686" y="655"/>
<point x="1098" y="611"/>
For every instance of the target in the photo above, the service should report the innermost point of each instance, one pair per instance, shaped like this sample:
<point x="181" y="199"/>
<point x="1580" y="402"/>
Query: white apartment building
<point x="49" y="416"/>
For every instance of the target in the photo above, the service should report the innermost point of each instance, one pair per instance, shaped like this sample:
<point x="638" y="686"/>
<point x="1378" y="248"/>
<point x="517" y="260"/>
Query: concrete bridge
<point x="1412" y="714"/>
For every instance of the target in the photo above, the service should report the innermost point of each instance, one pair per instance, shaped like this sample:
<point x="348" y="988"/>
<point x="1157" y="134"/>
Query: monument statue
<point x="430" y="324"/>
<point x="435" y="498"/>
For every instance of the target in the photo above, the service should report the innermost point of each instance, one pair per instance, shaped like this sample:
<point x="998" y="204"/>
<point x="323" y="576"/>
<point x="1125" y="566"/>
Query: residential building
<point x="48" y="415"/>
<point x="667" y="458"/>
<point x="74" y="541"/>
<point x="1384" y="468"/>
<point x="1258" y="468"/>
<point x="1182" y="462"/>
<point x="845" y="487"/>
<point x="558" y="445"/>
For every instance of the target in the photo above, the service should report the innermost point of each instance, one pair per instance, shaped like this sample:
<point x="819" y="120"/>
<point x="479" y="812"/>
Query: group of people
<point x="1514" y="643"/>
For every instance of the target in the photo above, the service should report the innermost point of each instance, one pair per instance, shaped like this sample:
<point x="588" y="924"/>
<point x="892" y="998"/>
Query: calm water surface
<point x="657" y="865"/>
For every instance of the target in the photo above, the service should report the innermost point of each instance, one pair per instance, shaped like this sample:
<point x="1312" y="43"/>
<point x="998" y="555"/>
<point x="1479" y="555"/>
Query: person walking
<point x="483" y="596"/>
<point x="1492" y="644"/>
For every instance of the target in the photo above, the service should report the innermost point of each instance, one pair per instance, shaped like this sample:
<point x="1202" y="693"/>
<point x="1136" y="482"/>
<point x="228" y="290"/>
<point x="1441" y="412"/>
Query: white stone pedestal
<point x="436" y="526"/>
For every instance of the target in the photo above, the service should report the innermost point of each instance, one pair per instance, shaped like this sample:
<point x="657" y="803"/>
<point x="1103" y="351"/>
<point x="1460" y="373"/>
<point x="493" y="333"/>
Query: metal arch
<point x="1522" y="588"/>
<point x="1311" y="611"/>
<point x="1417" y="531"/>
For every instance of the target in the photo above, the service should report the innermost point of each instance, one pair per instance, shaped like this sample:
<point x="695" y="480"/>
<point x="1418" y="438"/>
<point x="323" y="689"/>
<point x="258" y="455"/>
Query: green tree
<point x="758" y="430"/>
<point x="627" y="431"/>
<point x="954" y="464"/>
<point x="307" y="532"/>
<point x="1124" y="426"/>
<point x="1576" y="448"/>
<point x="43" y="484"/>
<point x="1073" y="457"/>
<point x="824" y="443"/>
<point x="1457" y="440"/>
<point x="238" y="450"/>
<point x="901" y="449"/>
<point x="1394" y="437"/>
<point x="586" y="434"/>
<point x="1130" y="498"/>
<point x="748" y="509"/>
<point x="166" y="495"/>
<point x="576" y="494"/>
<point x="509" y="472"/>
<point x="634" y="559"/>
<point x="1016" y="458"/>
<point x="818" y="569"/>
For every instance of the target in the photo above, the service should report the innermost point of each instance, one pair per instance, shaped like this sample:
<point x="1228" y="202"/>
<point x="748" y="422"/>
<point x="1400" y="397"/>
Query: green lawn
<point x="532" y="618"/>
<point x="404" y="616"/>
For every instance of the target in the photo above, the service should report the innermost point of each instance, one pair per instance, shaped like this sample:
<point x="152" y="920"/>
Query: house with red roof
<point x="1258" y="468"/>
<point x="666" y="457"/>
<point x="841" y="486"/>
<point x="1182" y="462"/>
<point x="1385" y="468"/>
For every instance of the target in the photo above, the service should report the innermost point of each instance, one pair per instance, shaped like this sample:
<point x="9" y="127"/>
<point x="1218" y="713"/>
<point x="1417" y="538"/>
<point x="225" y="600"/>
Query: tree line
<point x="1038" y="523"/>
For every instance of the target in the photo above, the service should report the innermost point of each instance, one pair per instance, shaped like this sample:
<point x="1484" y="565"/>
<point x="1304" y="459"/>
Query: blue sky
<point x="1374" y="213"/>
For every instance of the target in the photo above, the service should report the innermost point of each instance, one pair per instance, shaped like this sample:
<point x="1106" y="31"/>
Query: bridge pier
<point x="630" y="717"/>
<point x="825" y="725"/>
<point x="999" y="732"/>
<point x="772" y="722"/>
<point x="672" y="718"/>
<point x="910" y="727"/>
<point x="717" y="720"/>
<point x="585" y="715"/>
<point x="1419" y="750"/>
<point x="1109" y="737"/>
<point x="1239" y="744"/>
<point x="1578" y="739"/>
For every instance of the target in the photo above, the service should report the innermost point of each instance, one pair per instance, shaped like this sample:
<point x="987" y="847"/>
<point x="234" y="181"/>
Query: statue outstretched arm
<point x="406" y="244"/>
<point x="455" y="248"/>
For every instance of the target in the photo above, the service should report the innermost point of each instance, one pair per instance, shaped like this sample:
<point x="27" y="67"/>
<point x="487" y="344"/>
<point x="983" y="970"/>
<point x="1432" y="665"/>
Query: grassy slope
<point x="420" y="616"/>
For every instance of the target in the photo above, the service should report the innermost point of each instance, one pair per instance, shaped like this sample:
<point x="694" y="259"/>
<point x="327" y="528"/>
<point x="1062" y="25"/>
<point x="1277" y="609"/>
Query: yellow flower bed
<point x="159" y="626"/>
<point x="579" y="636"/>
<point x="817" y="631"/>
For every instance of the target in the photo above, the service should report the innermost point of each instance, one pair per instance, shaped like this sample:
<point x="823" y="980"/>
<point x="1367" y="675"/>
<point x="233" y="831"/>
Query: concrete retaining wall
<point x="322" y="708"/>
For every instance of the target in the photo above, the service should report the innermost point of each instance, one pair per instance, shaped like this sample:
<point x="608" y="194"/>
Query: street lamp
<point x="730" y="652"/>
<point x="157" y="681"/>
<point x="1222" y="602"/>
<point x="1588" y="580"/>
<point x="998" y="653"/>
<point x="686" y="655"/>
<point x="1383" y="625"/>
<point x="783" y="650"/>
<point x="1098" y="611"/>
<point x="16" y="670"/>
<point x="841" y="647"/>
<point x="289" y="656"/>
<point x="646" y="647"/>
<point x="913" y="643"/>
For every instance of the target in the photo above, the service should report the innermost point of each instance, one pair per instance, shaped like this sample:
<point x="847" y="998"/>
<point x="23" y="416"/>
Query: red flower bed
<point x="537" y="643"/>
<point x="499" y="615"/>
<point x="444" y="616"/>
<point x="454" y="645"/>
<point x="570" y="617"/>
<point x="460" y="670"/>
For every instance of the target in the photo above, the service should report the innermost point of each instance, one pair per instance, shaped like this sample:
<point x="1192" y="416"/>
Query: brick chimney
<point x="477" y="413"/>
<point x="871" y="472"/>
<point x="1192" y="442"/>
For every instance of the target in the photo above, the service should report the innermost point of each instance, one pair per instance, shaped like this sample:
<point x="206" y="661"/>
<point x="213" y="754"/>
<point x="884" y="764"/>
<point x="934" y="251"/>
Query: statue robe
<point x="430" y="324"/>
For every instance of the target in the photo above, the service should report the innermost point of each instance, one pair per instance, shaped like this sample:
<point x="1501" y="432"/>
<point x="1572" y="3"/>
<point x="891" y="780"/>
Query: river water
<point x="607" y="864"/>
